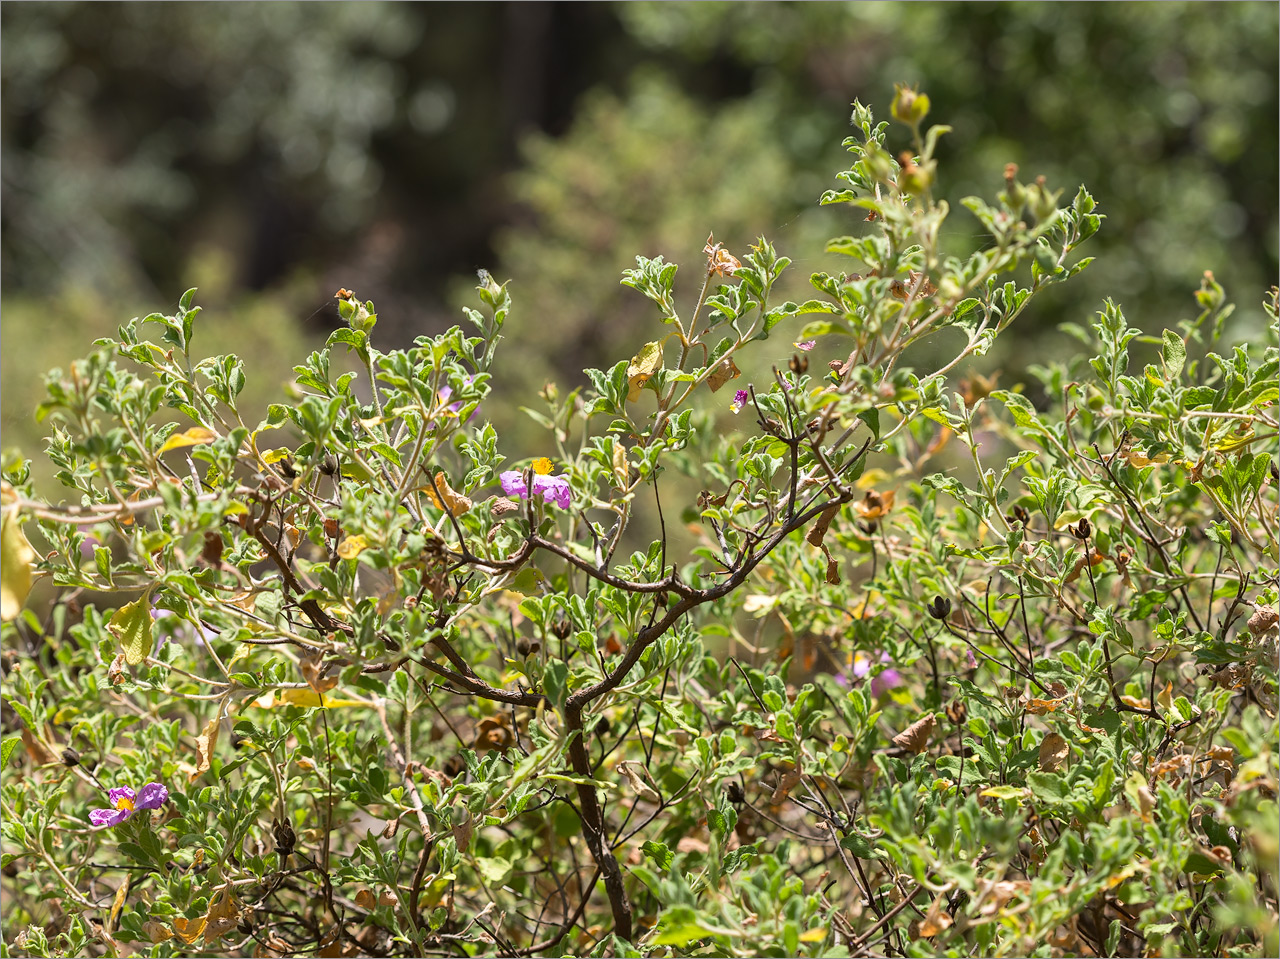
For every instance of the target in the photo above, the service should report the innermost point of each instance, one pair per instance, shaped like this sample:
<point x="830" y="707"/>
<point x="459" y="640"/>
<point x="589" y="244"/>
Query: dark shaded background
<point x="272" y="152"/>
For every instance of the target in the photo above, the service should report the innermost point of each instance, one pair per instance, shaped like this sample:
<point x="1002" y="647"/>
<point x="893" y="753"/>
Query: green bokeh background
<point x="270" y="153"/>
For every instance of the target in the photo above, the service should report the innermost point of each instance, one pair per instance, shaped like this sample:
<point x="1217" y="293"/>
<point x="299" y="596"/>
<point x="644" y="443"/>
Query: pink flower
<point x="552" y="489"/>
<point x="125" y="802"/>
<point x="739" y="400"/>
<point x="807" y="345"/>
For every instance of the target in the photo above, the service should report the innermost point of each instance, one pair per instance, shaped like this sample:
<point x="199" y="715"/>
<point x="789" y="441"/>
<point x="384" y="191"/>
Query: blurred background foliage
<point x="273" y="152"/>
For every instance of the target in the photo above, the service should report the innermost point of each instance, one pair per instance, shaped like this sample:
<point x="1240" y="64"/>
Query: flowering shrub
<point x="895" y="662"/>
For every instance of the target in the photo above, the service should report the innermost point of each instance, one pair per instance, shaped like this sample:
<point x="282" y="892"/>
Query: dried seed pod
<point x="957" y="712"/>
<point x="940" y="608"/>
<point x="561" y="628"/>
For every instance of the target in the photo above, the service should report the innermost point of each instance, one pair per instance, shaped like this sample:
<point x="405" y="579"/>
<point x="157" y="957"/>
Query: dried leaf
<point x="833" y="573"/>
<point x="819" y="530"/>
<point x="206" y="742"/>
<point x="720" y="260"/>
<point x="874" y="505"/>
<point x="493" y="733"/>
<point x="725" y="371"/>
<point x="500" y="506"/>
<point x="642" y="366"/>
<point x="196" y="436"/>
<point x="1041" y="707"/>
<point x="222" y="917"/>
<point x="690" y="844"/>
<point x="442" y="497"/>
<point x="1264" y="619"/>
<point x="16" y="556"/>
<point x="936" y="920"/>
<point x="35" y="749"/>
<point x="641" y="788"/>
<point x="156" y="931"/>
<point x="311" y="667"/>
<point x="787" y="781"/>
<point x="365" y="899"/>
<point x="1054" y="751"/>
<point x="189" y="930"/>
<point x="915" y="738"/>
<point x="1094" y="559"/>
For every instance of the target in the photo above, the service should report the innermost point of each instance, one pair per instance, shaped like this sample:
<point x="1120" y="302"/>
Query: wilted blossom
<point x="739" y="400"/>
<point x="881" y="683"/>
<point x="553" y="489"/>
<point x="125" y="802"/>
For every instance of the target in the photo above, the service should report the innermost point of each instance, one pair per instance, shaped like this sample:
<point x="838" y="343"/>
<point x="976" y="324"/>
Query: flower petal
<point x="121" y="792"/>
<point x="153" y="796"/>
<point x="513" y="483"/>
<point x="108" y="817"/>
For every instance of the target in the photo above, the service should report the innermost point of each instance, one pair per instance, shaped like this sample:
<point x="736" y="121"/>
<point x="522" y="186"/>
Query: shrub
<point x="373" y="689"/>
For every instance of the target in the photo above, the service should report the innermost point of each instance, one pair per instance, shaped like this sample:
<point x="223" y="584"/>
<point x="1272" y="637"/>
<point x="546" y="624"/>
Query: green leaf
<point x="1048" y="787"/>
<point x="132" y="626"/>
<point x="6" y="750"/>
<point x="494" y="870"/>
<point x="1173" y="355"/>
<point x="659" y="853"/>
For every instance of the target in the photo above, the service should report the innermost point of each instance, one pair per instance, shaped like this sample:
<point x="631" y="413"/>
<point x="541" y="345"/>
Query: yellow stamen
<point x="125" y="803"/>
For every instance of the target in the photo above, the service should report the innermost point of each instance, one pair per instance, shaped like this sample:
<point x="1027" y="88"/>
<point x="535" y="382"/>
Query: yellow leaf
<point x="643" y="365"/>
<point x="16" y="555"/>
<point x="621" y="471"/>
<point x="132" y="627"/>
<point x="816" y="934"/>
<point x="303" y="696"/>
<point x="117" y="904"/>
<point x="196" y="436"/>
<point x="352" y="546"/>
<point x="276" y="455"/>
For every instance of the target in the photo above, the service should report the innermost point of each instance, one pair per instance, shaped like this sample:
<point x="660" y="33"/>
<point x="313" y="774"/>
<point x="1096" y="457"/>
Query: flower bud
<point x="909" y="106"/>
<point x="1043" y="202"/>
<point x="1210" y="294"/>
<point x="913" y="178"/>
<point x="1015" y="194"/>
<point x="878" y="164"/>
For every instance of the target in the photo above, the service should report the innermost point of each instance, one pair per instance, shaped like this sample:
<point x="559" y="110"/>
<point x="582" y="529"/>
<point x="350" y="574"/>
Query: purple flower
<point x="807" y="345"/>
<point x="552" y="489"/>
<point x="447" y="391"/>
<point x="739" y="400"/>
<point x="125" y="802"/>
<point x="881" y="683"/>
